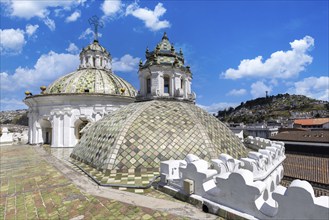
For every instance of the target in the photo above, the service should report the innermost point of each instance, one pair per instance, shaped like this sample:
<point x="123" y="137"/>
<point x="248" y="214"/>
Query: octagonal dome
<point x="142" y="134"/>
<point x="164" y="54"/>
<point x="91" y="80"/>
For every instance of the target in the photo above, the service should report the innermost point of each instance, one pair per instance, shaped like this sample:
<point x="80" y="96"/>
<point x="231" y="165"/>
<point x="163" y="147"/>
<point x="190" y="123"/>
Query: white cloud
<point x="31" y="29"/>
<point x="237" y="92"/>
<point x="73" y="17"/>
<point x="50" y="23"/>
<point x="12" y="41"/>
<point x="11" y="104"/>
<point x="149" y="17"/>
<point x="314" y="87"/>
<point x="258" y="89"/>
<point x="215" y="107"/>
<point x="281" y="64"/>
<point x="29" y="9"/>
<point x="72" y="48"/>
<point x="48" y="68"/>
<point x="126" y="63"/>
<point x="111" y="7"/>
<point x="89" y="34"/>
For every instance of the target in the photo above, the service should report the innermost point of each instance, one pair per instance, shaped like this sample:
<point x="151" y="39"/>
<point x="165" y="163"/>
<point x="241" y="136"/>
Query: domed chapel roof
<point x="94" y="75"/>
<point x="142" y="134"/>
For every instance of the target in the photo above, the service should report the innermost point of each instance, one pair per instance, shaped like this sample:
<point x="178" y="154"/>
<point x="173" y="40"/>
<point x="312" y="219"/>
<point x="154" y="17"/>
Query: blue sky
<point x="237" y="50"/>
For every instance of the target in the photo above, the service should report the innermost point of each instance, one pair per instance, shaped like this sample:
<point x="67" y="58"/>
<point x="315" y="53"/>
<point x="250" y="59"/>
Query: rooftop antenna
<point x="94" y="21"/>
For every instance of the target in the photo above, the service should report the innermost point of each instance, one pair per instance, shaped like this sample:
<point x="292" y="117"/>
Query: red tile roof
<point x="312" y="121"/>
<point x="318" y="136"/>
<point x="310" y="168"/>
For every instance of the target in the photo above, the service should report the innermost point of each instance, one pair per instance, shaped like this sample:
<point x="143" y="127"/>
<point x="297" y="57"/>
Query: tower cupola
<point x="164" y="74"/>
<point x="95" y="56"/>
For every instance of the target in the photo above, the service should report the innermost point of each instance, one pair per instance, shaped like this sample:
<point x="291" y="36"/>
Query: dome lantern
<point x="163" y="74"/>
<point x="94" y="55"/>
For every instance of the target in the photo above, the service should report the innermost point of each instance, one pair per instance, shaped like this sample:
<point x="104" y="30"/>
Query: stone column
<point x="30" y="134"/>
<point x="57" y="134"/>
<point x="185" y="89"/>
<point x="68" y="132"/>
<point x="172" y="86"/>
<point x="34" y="128"/>
<point x="142" y="83"/>
<point x="55" y="131"/>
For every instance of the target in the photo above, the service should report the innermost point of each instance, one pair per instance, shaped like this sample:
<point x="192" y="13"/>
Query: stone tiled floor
<point x="33" y="189"/>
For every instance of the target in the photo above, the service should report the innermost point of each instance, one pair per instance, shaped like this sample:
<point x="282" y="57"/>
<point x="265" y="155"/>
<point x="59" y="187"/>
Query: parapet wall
<point x="8" y="138"/>
<point x="250" y="185"/>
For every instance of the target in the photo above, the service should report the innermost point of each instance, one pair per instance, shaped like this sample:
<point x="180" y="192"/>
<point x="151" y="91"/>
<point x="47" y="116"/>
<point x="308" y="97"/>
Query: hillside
<point x="18" y="117"/>
<point x="281" y="106"/>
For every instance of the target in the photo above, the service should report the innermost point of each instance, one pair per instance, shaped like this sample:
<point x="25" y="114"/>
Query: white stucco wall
<point x="60" y="115"/>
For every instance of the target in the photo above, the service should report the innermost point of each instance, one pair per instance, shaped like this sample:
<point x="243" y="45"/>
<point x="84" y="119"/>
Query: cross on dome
<point x="94" y="21"/>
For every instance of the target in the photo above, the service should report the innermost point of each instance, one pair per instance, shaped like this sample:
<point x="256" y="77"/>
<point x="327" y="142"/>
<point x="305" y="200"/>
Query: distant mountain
<point x="18" y="117"/>
<point x="281" y="106"/>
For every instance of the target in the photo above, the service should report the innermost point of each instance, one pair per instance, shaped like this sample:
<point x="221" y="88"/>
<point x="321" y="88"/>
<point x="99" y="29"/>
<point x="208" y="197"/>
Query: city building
<point x="312" y="123"/>
<point x="262" y="131"/>
<point x="310" y="142"/>
<point x="307" y="157"/>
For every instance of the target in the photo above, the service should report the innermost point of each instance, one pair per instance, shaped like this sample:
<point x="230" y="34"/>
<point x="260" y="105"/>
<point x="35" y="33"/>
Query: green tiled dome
<point x="142" y="134"/>
<point x="91" y="80"/>
<point x="164" y="54"/>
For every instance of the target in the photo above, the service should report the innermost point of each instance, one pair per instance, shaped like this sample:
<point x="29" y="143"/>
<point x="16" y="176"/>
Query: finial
<point x="140" y="63"/>
<point x="176" y="62"/>
<point x="172" y="48"/>
<point x="188" y="69"/>
<point x="180" y="51"/>
<point x="28" y="93"/>
<point x="94" y="20"/>
<point x="155" y="58"/>
<point x="43" y="89"/>
<point x="157" y="48"/>
<point x="165" y="36"/>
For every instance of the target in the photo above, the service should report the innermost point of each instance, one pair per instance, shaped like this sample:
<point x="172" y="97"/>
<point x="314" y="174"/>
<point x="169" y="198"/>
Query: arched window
<point x="166" y="83"/>
<point x="148" y="85"/>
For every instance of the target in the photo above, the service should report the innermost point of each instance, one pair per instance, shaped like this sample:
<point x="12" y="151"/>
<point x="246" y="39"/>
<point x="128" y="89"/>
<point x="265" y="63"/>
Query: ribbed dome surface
<point x="91" y="80"/>
<point x="142" y="134"/>
<point x="164" y="54"/>
<point x="95" y="46"/>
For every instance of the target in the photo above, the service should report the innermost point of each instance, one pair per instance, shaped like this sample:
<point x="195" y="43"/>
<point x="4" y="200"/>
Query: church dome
<point x="142" y="134"/>
<point x="94" y="75"/>
<point x="91" y="80"/>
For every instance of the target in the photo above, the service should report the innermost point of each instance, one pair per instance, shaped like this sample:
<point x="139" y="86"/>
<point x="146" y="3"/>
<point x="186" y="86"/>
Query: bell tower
<point x="163" y="75"/>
